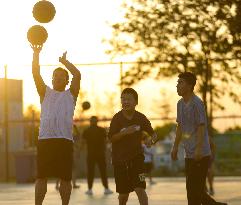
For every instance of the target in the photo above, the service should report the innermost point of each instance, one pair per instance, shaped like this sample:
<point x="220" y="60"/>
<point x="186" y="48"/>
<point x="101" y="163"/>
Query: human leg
<point x="40" y="190"/>
<point x="142" y="196"/>
<point x="65" y="191"/>
<point x="90" y="173"/>
<point x="123" y="198"/>
<point x="101" y="162"/>
<point x="137" y="176"/>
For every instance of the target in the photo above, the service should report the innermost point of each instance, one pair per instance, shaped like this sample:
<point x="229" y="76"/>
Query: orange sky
<point x="78" y="27"/>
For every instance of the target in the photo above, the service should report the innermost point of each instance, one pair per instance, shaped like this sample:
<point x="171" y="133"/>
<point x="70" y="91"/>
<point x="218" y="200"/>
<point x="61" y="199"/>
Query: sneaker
<point x="108" y="191"/>
<point x="89" y="192"/>
<point x="211" y="192"/>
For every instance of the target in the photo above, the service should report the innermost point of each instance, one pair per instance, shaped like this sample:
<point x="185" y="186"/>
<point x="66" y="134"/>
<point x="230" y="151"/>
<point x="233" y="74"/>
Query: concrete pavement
<point x="167" y="191"/>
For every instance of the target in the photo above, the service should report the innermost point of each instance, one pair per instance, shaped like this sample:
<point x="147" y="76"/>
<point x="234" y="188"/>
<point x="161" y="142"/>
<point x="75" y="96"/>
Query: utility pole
<point x="121" y="77"/>
<point x="6" y="124"/>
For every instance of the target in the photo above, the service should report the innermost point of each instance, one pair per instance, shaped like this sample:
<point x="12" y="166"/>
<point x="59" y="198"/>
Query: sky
<point x="79" y="28"/>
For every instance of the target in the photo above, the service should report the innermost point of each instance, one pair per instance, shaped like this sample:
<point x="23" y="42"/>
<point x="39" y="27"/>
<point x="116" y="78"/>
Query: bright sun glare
<point x="78" y="27"/>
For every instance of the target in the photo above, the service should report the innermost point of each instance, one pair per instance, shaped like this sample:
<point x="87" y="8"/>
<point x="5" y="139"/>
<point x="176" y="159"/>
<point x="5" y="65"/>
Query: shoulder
<point x="69" y="93"/>
<point x="180" y="102"/>
<point x="141" y="116"/>
<point x="117" y="116"/>
<point x="197" y="101"/>
<point x="49" y="90"/>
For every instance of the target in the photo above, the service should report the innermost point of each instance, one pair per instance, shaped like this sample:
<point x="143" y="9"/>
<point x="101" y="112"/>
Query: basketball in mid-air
<point x="44" y="11"/>
<point x="37" y="35"/>
<point x="85" y="105"/>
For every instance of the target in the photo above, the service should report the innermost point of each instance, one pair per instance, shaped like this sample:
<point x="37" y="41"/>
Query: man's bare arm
<point x="176" y="142"/>
<point x="39" y="83"/>
<point x="200" y="140"/>
<point x="75" y="83"/>
<point x="178" y="136"/>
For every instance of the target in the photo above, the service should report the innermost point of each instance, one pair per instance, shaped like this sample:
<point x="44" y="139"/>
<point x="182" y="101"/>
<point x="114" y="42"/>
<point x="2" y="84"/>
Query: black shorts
<point x="55" y="158"/>
<point x="148" y="166"/>
<point x="130" y="175"/>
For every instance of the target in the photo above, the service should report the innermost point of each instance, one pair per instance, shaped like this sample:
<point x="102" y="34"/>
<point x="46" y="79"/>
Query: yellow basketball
<point x="86" y="105"/>
<point x="44" y="11"/>
<point x="37" y="35"/>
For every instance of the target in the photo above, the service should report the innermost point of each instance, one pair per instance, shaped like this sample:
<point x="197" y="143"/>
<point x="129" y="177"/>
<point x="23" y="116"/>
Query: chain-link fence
<point x="101" y="85"/>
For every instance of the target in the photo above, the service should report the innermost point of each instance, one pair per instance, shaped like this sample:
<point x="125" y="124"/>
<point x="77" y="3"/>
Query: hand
<point x="197" y="154"/>
<point x="174" y="153"/>
<point x="36" y="48"/>
<point x="131" y="129"/>
<point x="63" y="59"/>
<point x="154" y="138"/>
<point x="149" y="142"/>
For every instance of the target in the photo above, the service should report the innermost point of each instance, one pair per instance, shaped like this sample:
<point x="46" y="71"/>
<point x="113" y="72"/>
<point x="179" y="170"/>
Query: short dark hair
<point x="63" y="70"/>
<point x="189" y="77"/>
<point x="132" y="92"/>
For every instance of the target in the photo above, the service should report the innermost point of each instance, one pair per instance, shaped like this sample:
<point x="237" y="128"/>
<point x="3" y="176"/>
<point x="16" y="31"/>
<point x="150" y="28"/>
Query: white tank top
<point x="57" y="111"/>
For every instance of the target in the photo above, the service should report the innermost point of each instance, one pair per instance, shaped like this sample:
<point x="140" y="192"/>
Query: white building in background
<point x="16" y="131"/>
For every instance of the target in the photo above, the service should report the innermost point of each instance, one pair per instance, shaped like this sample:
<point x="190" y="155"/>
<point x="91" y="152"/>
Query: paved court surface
<point x="167" y="191"/>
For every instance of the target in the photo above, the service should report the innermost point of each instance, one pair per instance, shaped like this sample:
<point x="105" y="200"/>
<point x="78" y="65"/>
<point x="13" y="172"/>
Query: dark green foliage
<point x="183" y="35"/>
<point x="164" y="130"/>
<point x="235" y="129"/>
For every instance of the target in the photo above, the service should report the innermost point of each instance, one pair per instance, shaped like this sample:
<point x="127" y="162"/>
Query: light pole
<point x="6" y="123"/>
<point x="121" y="77"/>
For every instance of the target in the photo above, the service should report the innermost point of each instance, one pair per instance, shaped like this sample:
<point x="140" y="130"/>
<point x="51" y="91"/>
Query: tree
<point x="164" y="130"/>
<point x="163" y="107"/>
<point x="183" y="35"/>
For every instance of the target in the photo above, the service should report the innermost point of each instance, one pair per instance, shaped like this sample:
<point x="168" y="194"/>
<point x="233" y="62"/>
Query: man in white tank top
<point x="55" y="143"/>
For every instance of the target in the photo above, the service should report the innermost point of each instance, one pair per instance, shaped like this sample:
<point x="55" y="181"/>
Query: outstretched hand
<point x="63" y="58"/>
<point x="36" y="48"/>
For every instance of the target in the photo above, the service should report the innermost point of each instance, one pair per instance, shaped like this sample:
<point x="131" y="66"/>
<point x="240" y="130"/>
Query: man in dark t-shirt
<point x="126" y="129"/>
<point x="95" y="138"/>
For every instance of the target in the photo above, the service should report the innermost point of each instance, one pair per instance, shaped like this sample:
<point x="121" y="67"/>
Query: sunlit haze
<point x="79" y="28"/>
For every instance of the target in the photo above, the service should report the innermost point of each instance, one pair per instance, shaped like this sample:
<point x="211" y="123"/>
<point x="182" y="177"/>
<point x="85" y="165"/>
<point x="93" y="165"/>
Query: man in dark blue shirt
<point x="95" y="138"/>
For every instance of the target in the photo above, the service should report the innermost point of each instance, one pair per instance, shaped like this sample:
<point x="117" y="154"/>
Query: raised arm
<point x="75" y="83"/>
<point x="39" y="83"/>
